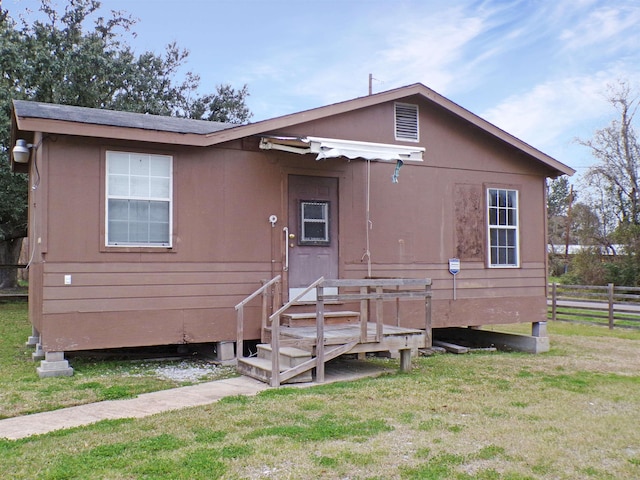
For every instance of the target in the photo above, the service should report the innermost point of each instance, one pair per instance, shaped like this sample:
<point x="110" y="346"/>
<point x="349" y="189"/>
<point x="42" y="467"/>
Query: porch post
<point x="320" y="333"/>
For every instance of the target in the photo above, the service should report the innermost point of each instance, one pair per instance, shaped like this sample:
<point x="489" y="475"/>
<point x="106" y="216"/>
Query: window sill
<point x="136" y="249"/>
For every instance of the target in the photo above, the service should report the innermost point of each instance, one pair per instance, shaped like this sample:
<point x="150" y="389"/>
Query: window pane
<point x="315" y="231"/>
<point x="118" y="232"/>
<point x="314" y="210"/>
<point x="159" y="212"/>
<point x="138" y="211"/>
<point x="159" y="233"/>
<point x="119" y="185"/>
<point x="502" y="216"/>
<point x="493" y="216"/>
<point x="493" y="198"/>
<point x="159" y="188"/>
<point x="160" y="166"/>
<point x="118" y="163"/>
<point x="139" y="232"/>
<point x="139" y="164"/>
<point x="494" y="255"/>
<point x="119" y="210"/>
<point x="133" y="218"/>
<point x="502" y="198"/>
<point x="140" y="187"/>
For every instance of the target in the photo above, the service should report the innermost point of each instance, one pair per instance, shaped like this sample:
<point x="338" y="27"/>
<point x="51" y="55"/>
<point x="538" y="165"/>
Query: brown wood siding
<point x="224" y="245"/>
<point x="185" y="302"/>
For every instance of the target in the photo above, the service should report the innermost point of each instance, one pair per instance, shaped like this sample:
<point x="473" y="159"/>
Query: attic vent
<point x="406" y="122"/>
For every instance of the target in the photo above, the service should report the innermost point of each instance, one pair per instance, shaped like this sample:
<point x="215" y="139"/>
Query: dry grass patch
<point x="571" y="413"/>
<point x="95" y="379"/>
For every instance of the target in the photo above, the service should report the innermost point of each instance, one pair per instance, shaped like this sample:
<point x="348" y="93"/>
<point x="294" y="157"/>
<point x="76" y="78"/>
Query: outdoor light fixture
<point x="21" y="152"/>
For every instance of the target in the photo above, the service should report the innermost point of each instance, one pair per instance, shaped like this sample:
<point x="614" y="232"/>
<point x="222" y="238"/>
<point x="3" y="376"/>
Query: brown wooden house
<point x="148" y="230"/>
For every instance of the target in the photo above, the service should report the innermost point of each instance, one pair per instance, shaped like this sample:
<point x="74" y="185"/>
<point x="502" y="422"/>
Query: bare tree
<point x="617" y="152"/>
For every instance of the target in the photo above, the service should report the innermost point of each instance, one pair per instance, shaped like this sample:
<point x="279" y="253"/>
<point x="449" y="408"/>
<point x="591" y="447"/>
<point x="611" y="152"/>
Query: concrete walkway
<point x="163" y="401"/>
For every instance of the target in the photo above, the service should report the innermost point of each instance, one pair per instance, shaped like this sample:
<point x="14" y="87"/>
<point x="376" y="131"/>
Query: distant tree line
<point x="602" y="214"/>
<point x="77" y="56"/>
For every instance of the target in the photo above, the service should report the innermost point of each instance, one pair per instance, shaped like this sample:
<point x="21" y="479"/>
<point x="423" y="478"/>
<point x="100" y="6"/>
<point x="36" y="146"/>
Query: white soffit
<point x="334" y="148"/>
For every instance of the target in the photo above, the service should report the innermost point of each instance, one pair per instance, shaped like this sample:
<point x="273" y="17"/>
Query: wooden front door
<point x="313" y="231"/>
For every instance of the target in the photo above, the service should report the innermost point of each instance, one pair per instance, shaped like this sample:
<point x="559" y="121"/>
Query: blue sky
<point x="536" y="68"/>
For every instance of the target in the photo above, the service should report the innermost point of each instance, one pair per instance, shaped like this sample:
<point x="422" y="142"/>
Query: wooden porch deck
<point x="393" y="338"/>
<point x="287" y="351"/>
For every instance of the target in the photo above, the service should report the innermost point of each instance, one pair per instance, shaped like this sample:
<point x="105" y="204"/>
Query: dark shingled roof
<point x="96" y="116"/>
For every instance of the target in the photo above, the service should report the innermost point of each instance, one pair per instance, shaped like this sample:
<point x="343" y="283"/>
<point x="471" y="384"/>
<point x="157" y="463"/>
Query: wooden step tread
<point x="261" y="363"/>
<point x="260" y="368"/>
<point x="301" y="315"/>
<point x="291" y="352"/>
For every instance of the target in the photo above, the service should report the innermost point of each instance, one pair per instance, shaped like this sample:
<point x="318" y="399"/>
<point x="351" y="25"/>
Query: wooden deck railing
<point x="266" y="291"/>
<point x="610" y="305"/>
<point x="365" y="292"/>
<point x="275" y="332"/>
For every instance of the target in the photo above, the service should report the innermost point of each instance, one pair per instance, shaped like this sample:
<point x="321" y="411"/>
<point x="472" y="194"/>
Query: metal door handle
<point x="286" y="248"/>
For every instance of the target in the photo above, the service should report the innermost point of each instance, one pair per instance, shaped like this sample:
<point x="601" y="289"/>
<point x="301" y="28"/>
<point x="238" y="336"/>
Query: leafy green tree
<point x="75" y="56"/>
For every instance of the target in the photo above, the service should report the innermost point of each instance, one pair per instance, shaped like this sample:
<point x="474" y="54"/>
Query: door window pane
<point x="314" y="223"/>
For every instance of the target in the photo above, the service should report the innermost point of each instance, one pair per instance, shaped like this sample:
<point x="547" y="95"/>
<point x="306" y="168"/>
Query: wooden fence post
<point x="611" y="288"/>
<point x="553" y="301"/>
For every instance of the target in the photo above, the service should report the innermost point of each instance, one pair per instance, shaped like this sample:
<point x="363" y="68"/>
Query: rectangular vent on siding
<point x="406" y="122"/>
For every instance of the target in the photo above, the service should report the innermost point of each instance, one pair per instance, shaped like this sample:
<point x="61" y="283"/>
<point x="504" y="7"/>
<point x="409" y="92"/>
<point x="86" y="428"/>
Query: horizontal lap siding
<point x="483" y="295"/>
<point x="117" y="305"/>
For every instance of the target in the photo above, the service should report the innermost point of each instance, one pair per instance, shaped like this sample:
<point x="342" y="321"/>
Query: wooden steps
<point x="260" y="367"/>
<point x="307" y="319"/>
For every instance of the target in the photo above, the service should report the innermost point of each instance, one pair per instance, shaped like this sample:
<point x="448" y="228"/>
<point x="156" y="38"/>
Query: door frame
<point x="286" y="174"/>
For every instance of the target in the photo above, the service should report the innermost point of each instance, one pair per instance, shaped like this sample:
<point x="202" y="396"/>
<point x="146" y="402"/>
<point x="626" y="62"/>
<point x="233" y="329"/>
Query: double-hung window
<point x="139" y="199"/>
<point x="502" y="217"/>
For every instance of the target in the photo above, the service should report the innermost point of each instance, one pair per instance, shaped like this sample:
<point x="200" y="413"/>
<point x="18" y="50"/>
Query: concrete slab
<point x="166" y="400"/>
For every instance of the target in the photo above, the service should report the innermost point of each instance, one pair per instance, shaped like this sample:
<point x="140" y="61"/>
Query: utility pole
<point x="568" y="229"/>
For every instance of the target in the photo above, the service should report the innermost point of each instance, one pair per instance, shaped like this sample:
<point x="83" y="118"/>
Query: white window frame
<point x="109" y="196"/>
<point x="503" y="226"/>
<point x="417" y="120"/>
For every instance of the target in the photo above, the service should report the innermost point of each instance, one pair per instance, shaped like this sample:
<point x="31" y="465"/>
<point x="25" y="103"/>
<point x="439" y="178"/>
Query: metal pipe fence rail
<point x="608" y="305"/>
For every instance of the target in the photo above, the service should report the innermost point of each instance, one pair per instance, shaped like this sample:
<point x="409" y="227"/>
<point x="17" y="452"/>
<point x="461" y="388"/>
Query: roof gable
<point x="50" y="118"/>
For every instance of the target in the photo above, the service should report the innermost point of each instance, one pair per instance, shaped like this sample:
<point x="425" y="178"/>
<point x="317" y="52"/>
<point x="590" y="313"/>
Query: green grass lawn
<point x="571" y="413"/>
<point x="23" y="392"/>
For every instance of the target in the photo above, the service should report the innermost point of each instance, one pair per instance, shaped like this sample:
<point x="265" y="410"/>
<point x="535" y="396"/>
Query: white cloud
<point x="550" y="115"/>
<point x="612" y="27"/>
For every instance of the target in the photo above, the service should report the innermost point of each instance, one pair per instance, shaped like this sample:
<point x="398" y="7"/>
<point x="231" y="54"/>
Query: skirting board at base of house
<point x="499" y="340"/>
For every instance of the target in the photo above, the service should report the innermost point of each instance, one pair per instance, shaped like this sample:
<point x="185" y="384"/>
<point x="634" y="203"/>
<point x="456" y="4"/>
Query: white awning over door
<point x="335" y="148"/>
